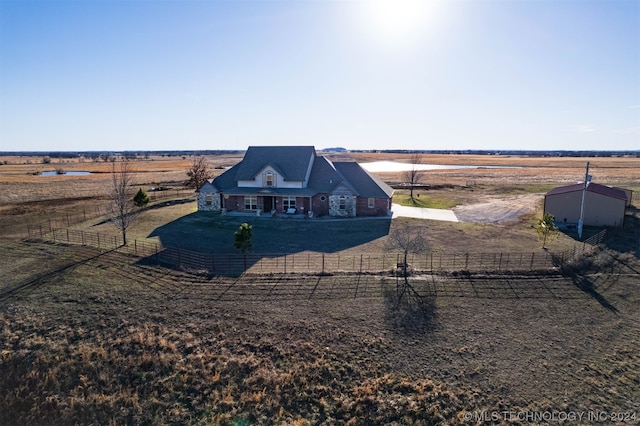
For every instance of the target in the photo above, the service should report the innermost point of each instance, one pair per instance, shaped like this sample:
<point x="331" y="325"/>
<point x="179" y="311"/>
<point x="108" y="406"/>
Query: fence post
<point x="360" y="262"/>
<point x="67" y="232"/>
<point x="285" y="263"/>
<point x="500" y="262"/>
<point x="323" y="263"/>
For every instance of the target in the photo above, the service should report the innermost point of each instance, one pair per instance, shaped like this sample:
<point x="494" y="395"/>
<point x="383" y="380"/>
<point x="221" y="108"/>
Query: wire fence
<point x="87" y="213"/>
<point x="317" y="263"/>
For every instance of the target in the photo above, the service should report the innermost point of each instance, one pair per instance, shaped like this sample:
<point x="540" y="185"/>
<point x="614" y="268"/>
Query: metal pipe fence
<point x="313" y="263"/>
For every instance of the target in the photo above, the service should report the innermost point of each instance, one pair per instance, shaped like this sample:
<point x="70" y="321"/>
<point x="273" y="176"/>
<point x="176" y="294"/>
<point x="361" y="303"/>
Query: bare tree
<point x="410" y="310"/>
<point x="123" y="209"/>
<point x="198" y="173"/>
<point x="409" y="239"/>
<point x="412" y="177"/>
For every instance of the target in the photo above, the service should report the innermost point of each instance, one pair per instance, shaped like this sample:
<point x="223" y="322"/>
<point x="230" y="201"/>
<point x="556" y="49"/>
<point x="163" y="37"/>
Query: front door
<point x="268" y="204"/>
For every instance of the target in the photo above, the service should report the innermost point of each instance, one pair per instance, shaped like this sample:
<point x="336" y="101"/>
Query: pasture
<point x="96" y="336"/>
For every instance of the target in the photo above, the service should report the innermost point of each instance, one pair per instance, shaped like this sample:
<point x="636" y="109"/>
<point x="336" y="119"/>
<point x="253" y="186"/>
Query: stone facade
<point x="209" y="201"/>
<point x="294" y="180"/>
<point x="342" y="206"/>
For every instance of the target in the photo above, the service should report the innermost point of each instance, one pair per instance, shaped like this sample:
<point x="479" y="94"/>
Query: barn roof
<point x="592" y="187"/>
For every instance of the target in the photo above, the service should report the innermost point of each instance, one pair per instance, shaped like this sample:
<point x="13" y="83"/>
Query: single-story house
<point x="603" y="205"/>
<point x="294" y="179"/>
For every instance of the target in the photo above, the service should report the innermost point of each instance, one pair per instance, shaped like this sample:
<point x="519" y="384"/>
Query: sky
<point x="133" y="75"/>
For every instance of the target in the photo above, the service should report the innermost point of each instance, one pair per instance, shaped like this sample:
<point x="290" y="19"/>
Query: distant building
<point x="603" y="205"/>
<point x="295" y="180"/>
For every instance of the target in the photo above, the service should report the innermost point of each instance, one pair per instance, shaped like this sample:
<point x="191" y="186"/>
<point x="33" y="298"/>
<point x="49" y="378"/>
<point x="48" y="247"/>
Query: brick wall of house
<point x="380" y="207"/>
<point x="234" y="203"/>
<point x="320" y="205"/>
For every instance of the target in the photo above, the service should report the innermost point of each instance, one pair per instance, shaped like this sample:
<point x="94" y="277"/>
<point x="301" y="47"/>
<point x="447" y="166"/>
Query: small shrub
<point x="141" y="199"/>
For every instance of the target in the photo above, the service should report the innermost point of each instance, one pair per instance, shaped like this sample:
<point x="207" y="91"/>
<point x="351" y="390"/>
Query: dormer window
<point x="269" y="179"/>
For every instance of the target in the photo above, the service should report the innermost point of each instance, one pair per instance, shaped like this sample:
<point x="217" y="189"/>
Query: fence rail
<point x="312" y="263"/>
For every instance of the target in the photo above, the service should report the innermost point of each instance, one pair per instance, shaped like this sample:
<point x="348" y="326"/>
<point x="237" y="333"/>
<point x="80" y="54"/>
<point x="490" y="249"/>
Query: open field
<point x="94" y="338"/>
<point x="90" y="336"/>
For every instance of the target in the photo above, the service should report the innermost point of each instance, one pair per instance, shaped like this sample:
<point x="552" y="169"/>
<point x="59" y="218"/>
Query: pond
<point x="394" y="166"/>
<point x="69" y="173"/>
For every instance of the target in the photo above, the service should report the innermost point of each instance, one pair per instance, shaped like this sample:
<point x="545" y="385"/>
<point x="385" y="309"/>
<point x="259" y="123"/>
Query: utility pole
<point x="587" y="179"/>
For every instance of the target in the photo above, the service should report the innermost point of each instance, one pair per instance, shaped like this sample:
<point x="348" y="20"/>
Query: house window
<point x="342" y="202"/>
<point x="371" y="202"/>
<point x="288" y="203"/>
<point x="269" y="179"/>
<point x="209" y="199"/>
<point x="251" y="202"/>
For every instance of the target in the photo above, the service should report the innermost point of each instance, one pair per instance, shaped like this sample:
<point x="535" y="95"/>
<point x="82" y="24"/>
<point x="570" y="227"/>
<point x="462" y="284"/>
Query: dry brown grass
<point x="90" y="337"/>
<point x="97" y="339"/>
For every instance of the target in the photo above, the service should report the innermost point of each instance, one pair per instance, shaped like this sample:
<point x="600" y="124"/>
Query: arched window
<point x="342" y="202"/>
<point x="269" y="179"/>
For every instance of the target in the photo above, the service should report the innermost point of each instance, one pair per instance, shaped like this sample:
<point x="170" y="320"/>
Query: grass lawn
<point x="425" y="200"/>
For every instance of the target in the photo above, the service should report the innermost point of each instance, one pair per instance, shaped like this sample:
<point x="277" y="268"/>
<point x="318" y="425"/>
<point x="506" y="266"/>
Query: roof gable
<point x="292" y="162"/>
<point x="365" y="184"/>
<point x="208" y="186"/>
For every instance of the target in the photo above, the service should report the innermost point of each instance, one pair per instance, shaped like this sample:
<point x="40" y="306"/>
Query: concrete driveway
<point x="423" y="213"/>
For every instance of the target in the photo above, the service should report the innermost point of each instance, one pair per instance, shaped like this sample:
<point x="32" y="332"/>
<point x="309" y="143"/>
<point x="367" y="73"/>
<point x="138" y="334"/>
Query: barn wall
<point x="600" y="210"/>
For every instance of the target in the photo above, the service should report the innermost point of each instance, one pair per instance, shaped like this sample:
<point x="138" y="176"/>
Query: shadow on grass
<point x="213" y="233"/>
<point x="47" y="276"/>
<point x="408" y="311"/>
<point x="588" y="286"/>
<point x="205" y="239"/>
<point x="578" y="271"/>
<point x="625" y="239"/>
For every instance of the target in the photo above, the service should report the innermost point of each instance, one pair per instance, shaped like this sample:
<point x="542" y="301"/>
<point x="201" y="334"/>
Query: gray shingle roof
<point x="291" y="162"/>
<point x="365" y="184"/>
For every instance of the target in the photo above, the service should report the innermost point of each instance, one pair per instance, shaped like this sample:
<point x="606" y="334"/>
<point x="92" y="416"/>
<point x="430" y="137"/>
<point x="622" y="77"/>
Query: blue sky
<point x="205" y="74"/>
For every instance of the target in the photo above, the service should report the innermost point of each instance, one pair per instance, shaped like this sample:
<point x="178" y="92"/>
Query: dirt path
<point x="498" y="209"/>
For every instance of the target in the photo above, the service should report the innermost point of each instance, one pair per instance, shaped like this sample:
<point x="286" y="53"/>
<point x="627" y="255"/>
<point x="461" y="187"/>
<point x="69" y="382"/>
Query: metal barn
<point x="603" y="205"/>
